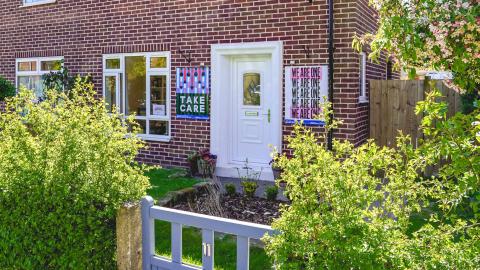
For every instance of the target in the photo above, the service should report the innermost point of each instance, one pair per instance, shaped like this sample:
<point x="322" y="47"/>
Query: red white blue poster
<point x="192" y="95"/>
<point x="306" y="89"/>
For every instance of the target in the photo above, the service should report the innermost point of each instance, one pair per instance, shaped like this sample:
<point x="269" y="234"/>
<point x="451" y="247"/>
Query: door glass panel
<point x="158" y="62"/>
<point x="135" y="77"/>
<point x="159" y="128"/>
<point x="110" y="91"/>
<point x="251" y="89"/>
<point x="52" y="65"/>
<point x="27" y="66"/>
<point x="33" y="83"/>
<point x="113" y="63"/>
<point x="158" y="97"/>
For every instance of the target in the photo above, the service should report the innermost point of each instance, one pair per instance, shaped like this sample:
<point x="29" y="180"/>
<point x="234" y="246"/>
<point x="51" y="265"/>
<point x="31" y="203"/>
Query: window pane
<point x="27" y="66"/>
<point x="52" y="65"/>
<point x="159" y="128"/>
<point x="33" y="83"/>
<point x="251" y="89"/>
<point x="33" y="1"/>
<point x="142" y="124"/>
<point x="110" y="91"/>
<point x="158" y="62"/>
<point x="120" y="83"/>
<point x="158" y="95"/>
<point x="113" y="63"/>
<point x="135" y="77"/>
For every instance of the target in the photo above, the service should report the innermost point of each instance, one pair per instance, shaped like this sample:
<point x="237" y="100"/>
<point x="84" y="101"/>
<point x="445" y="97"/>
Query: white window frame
<point x="38" y="2"/>
<point x="363" y="78"/>
<point x="149" y="72"/>
<point x="38" y="71"/>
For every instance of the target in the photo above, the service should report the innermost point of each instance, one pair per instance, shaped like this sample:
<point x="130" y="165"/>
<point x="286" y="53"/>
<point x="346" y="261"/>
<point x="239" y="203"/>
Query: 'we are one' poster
<point x="306" y="89"/>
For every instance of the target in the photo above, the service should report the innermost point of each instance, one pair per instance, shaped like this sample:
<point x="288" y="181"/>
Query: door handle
<point x="268" y="115"/>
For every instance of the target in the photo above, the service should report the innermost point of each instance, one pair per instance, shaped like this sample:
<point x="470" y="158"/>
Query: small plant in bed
<point x="249" y="179"/>
<point x="271" y="193"/>
<point x="230" y="189"/>
<point x="249" y="188"/>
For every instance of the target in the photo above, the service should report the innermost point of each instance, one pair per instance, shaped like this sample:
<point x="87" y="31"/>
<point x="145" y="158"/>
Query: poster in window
<point x="306" y="89"/>
<point x="192" y="95"/>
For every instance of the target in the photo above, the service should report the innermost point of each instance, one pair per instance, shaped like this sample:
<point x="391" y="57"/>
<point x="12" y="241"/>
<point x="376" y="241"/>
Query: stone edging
<point x="182" y="195"/>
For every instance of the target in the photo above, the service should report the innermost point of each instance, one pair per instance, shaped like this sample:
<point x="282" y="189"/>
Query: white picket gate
<point x="208" y="224"/>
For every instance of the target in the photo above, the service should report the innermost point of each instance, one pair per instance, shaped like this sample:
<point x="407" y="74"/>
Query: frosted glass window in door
<point x="251" y="89"/>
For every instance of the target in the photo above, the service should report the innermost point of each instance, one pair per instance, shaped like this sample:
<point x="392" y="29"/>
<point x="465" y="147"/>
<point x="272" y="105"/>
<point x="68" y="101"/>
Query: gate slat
<point x="207" y="249"/>
<point x="243" y="253"/>
<point x="177" y="243"/>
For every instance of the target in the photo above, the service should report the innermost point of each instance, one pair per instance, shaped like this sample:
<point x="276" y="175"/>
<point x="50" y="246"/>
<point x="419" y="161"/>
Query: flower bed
<point x="237" y="206"/>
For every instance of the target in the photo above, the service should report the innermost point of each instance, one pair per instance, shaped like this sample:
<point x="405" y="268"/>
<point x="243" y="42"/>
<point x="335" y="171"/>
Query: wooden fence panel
<point x="392" y="108"/>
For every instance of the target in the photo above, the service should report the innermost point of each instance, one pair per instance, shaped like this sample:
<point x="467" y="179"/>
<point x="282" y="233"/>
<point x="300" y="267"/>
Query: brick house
<point x="250" y="50"/>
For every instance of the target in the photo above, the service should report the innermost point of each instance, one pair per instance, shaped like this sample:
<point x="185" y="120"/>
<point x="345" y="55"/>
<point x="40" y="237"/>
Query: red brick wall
<point x="82" y="31"/>
<point x="366" y="22"/>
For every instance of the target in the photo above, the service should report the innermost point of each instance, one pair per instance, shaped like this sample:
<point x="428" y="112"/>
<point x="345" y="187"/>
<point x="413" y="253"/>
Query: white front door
<point x="255" y="112"/>
<point x="246" y="87"/>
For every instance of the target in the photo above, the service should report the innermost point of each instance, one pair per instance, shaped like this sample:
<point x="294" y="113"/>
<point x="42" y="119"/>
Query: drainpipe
<point x="331" y="50"/>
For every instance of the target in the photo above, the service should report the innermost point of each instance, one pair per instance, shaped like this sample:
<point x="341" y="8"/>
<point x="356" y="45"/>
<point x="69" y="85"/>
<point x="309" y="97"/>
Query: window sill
<point x="154" y="138"/>
<point x="363" y="100"/>
<point x="39" y="3"/>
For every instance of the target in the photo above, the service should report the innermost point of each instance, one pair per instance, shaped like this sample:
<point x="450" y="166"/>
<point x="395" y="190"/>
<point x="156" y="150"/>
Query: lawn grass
<point x="225" y="255"/>
<point x="165" y="180"/>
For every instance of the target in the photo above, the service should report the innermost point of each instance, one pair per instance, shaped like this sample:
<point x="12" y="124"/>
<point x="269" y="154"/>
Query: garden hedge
<point x="7" y="89"/>
<point x="66" y="166"/>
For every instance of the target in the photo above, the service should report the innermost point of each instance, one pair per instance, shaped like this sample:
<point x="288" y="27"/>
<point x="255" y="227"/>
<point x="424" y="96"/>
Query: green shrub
<point x="231" y="189"/>
<point x="372" y="208"/>
<point x="271" y="193"/>
<point x="59" y="80"/>
<point x="7" y="89"/>
<point x="66" y="166"/>
<point x="249" y="188"/>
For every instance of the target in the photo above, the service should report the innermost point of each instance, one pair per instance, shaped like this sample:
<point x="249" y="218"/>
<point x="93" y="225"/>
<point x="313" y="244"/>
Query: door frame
<point x="221" y="57"/>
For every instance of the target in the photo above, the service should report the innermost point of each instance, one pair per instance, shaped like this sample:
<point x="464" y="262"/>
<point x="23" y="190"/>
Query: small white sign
<point x="159" y="110"/>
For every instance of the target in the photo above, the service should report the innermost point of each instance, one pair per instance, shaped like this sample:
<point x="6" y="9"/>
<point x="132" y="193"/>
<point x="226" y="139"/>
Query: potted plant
<point x="276" y="169"/>
<point x="192" y="159"/>
<point x="206" y="163"/>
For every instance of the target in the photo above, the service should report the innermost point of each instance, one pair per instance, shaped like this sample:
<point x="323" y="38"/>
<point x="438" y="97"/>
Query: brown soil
<point x="239" y="207"/>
